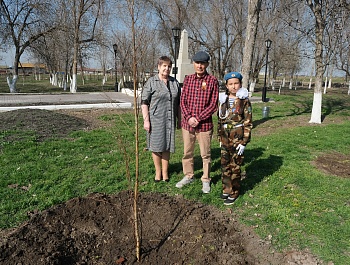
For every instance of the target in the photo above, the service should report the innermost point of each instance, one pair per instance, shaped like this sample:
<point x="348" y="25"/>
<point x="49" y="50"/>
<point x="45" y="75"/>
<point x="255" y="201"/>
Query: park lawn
<point x="287" y="199"/>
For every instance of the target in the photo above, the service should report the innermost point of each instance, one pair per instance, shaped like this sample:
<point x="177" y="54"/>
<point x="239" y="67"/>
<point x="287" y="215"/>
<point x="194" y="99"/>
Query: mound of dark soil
<point x="99" y="229"/>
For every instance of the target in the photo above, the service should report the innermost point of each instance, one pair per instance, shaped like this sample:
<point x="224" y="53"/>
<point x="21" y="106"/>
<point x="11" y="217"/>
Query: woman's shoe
<point x="166" y="180"/>
<point x="156" y="180"/>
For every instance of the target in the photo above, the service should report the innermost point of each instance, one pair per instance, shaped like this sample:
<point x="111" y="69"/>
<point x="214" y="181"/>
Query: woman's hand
<point x="147" y="125"/>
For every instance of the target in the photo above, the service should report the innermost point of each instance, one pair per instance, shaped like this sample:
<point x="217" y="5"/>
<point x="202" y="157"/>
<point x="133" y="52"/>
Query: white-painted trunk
<point x="330" y="82"/>
<point x="325" y="86"/>
<point x="12" y="83"/>
<point x="283" y="82"/>
<point x="252" y="87"/>
<point x="349" y="89"/>
<point x="73" y="85"/>
<point x="54" y="79"/>
<point x="316" y="108"/>
<point x="310" y="83"/>
<point x="291" y="84"/>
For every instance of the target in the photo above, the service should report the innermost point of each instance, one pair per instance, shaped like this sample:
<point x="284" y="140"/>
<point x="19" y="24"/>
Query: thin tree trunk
<point x="136" y="112"/>
<point x="252" y="26"/>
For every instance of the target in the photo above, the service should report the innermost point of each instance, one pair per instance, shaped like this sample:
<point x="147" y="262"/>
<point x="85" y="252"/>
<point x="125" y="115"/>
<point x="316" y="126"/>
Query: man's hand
<point x="240" y="149"/>
<point x="193" y="122"/>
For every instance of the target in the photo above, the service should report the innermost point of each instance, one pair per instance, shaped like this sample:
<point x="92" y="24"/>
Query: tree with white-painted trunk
<point x="21" y="27"/>
<point x="320" y="33"/>
<point x="319" y="23"/>
<point x="85" y="15"/>
<point x="254" y="7"/>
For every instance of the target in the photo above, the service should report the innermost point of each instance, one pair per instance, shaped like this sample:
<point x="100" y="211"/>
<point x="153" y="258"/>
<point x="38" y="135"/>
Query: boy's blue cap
<point x="233" y="75"/>
<point x="201" y="57"/>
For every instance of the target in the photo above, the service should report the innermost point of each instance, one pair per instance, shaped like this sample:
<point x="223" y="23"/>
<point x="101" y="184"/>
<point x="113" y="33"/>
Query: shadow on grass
<point x="258" y="169"/>
<point x="175" y="167"/>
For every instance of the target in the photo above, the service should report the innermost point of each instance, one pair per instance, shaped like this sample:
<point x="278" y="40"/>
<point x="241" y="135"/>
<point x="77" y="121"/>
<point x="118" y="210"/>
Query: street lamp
<point x="268" y="43"/>
<point x="176" y="34"/>
<point x="115" y="48"/>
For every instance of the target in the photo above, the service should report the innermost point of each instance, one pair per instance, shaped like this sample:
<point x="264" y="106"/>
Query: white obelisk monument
<point x="183" y="63"/>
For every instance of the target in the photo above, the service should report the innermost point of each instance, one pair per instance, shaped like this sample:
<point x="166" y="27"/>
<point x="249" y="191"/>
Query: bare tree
<point x="342" y="39"/>
<point x="85" y="16"/>
<point x="254" y="7"/>
<point x="137" y="47"/>
<point x="22" y="24"/>
<point x="323" y="13"/>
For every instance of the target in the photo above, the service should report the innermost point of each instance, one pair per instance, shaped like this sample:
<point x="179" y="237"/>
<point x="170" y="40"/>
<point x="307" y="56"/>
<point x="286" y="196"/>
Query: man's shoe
<point x="183" y="182"/>
<point x="224" y="196"/>
<point x="229" y="201"/>
<point x="206" y="187"/>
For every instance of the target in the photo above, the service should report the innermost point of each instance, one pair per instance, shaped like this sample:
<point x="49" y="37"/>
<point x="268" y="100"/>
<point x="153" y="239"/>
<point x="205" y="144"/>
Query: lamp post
<point x="115" y="48"/>
<point x="176" y="34"/>
<point x="268" y="43"/>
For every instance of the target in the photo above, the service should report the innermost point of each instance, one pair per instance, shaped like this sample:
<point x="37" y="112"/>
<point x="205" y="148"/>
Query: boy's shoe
<point x="206" y="187"/>
<point x="183" y="182"/>
<point x="229" y="201"/>
<point x="224" y="196"/>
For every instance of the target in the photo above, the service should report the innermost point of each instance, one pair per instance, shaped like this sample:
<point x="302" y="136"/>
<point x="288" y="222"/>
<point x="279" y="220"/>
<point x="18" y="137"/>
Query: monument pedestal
<point x="184" y="65"/>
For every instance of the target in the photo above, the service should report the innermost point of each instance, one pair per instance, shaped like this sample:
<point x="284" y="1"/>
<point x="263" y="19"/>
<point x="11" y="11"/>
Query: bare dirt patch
<point x="98" y="229"/>
<point x="334" y="163"/>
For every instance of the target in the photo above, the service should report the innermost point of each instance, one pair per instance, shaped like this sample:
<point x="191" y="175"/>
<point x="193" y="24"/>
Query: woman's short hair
<point x="164" y="59"/>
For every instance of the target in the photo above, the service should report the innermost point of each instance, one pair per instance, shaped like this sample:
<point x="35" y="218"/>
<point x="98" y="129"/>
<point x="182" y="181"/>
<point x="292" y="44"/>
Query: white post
<point x="330" y="82"/>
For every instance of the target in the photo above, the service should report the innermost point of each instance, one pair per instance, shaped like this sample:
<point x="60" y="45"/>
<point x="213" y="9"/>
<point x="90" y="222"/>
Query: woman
<point x="160" y="100"/>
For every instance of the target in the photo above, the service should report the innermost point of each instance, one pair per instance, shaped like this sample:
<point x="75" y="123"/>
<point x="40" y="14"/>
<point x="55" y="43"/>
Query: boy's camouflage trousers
<point x="230" y="161"/>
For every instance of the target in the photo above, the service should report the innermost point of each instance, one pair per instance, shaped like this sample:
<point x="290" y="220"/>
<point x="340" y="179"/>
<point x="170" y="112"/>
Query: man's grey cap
<point x="201" y="57"/>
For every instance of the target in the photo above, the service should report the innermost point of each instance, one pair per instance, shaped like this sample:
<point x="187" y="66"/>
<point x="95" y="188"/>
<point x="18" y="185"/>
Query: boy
<point x="234" y="131"/>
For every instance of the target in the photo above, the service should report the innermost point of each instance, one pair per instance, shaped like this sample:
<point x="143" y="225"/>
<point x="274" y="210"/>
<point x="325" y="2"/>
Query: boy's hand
<point x="240" y="149"/>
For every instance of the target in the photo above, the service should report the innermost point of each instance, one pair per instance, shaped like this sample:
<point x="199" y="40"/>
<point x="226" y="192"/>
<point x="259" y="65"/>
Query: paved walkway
<point x="10" y="102"/>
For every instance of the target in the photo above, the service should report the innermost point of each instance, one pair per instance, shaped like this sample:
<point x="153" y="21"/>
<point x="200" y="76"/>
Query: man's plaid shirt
<point x="199" y="96"/>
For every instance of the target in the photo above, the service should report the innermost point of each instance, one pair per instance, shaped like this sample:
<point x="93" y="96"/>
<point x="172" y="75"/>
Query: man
<point x="198" y="103"/>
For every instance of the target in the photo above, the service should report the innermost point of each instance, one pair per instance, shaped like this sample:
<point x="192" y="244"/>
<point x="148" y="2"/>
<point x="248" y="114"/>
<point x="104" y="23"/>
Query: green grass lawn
<point x="285" y="197"/>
